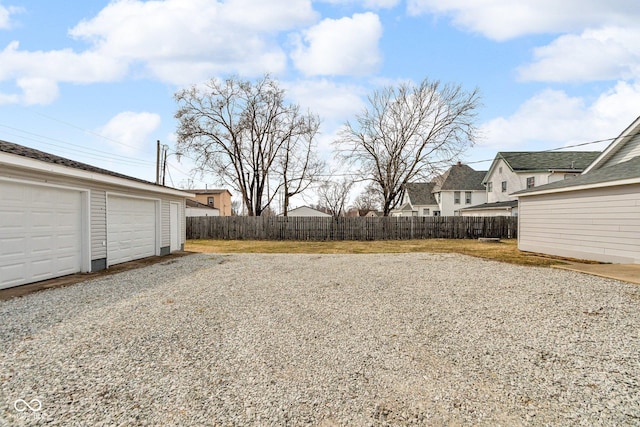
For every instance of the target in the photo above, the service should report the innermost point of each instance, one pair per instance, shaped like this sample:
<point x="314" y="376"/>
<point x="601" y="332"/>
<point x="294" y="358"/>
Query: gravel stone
<point x="326" y="340"/>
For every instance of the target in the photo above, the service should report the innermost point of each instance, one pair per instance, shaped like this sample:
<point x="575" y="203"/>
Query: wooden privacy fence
<point x="359" y="228"/>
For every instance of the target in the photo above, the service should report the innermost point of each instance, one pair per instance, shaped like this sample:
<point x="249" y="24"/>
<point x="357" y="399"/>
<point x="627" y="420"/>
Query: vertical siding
<point x="599" y="224"/>
<point x="630" y="150"/>
<point x="98" y="224"/>
<point x="98" y="200"/>
<point x="165" y="221"/>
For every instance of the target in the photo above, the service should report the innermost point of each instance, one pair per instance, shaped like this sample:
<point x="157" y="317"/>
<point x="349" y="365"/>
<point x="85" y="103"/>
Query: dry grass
<point x="504" y="251"/>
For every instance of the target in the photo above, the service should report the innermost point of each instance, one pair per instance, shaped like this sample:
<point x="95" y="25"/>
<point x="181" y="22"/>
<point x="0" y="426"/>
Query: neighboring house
<point x="194" y="208"/>
<point x="418" y="200"/>
<point x="594" y="216"/>
<point x="459" y="187"/>
<point x="515" y="171"/>
<point x="307" y="211"/>
<point x="215" y="198"/>
<point x="59" y="217"/>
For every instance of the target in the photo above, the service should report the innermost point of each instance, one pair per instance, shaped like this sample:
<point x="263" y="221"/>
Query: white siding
<point x="630" y="150"/>
<point x="598" y="224"/>
<point x="98" y="204"/>
<point x="98" y="224"/>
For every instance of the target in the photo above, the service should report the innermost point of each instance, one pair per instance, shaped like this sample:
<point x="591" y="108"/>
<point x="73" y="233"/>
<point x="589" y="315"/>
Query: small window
<point x="504" y="186"/>
<point x="456" y="197"/>
<point x="210" y="201"/>
<point x="531" y="182"/>
<point x="489" y="186"/>
<point x="436" y="213"/>
<point x="500" y="169"/>
<point x="467" y="197"/>
<point x="425" y="212"/>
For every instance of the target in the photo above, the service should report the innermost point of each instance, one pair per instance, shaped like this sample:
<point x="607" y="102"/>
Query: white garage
<point x="42" y="232"/>
<point x="593" y="216"/>
<point x="59" y="217"/>
<point x="132" y="227"/>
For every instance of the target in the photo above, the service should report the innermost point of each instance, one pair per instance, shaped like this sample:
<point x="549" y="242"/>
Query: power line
<point x="80" y="148"/>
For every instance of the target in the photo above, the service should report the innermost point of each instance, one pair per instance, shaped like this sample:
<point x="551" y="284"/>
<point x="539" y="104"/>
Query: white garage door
<point x="131" y="229"/>
<point x="40" y="233"/>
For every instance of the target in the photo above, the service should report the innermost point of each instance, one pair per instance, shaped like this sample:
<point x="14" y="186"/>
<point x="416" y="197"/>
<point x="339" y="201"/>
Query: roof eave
<point x="629" y="181"/>
<point x="40" y="166"/>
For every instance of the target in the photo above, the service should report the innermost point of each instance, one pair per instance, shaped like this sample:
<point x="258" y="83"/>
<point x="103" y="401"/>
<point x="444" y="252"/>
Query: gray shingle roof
<point x="626" y="170"/>
<point x="421" y="193"/>
<point x="494" y="205"/>
<point x="21" y="150"/>
<point x="460" y="177"/>
<point x="548" y="160"/>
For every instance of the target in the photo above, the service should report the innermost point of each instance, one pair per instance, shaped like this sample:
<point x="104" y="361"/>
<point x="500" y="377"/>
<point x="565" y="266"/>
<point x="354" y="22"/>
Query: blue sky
<point x="94" y="80"/>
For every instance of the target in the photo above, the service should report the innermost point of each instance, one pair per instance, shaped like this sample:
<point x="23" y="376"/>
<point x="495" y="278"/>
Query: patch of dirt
<point x="72" y="279"/>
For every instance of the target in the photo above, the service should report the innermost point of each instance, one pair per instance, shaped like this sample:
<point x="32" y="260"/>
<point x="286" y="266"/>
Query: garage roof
<point x="61" y="165"/>
<point x="623" y="173"/>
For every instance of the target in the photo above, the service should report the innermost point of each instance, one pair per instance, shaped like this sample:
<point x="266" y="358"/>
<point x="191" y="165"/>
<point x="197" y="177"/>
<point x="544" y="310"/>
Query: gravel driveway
<point x="425" y="339"/>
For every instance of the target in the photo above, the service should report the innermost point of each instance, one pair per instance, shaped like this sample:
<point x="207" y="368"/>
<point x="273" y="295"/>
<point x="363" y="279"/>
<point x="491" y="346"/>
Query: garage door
<point x="40" y="233"/>
<point x="131" y="229"/>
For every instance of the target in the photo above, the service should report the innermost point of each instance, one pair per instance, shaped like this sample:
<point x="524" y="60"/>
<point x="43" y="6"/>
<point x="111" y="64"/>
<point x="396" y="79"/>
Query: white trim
<point x="615" y="146"/>
<point x="85" y="215"/>
<point x="629" y="181"/>
<point x="40" y="166"/>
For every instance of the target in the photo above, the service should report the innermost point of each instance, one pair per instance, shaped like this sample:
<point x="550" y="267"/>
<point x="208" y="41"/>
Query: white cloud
<point x="506" y="19"/>
<point x="603" y="54"/>
<point x="129" y="132"/>
<point x="368" y="4"/>
<point x="175" y="41"/>
<point x="37" y="90"/>
<point x="554" y="119"/>
<point x="5" y="16"/>
<point x="328" y="99"/>
<point x="346" y="46"/>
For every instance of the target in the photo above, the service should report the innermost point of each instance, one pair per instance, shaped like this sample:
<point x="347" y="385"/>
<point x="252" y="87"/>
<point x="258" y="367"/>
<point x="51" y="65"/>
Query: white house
<point x="195" y="208"/>
<point x="593" y="216"/>
<point x="459" y="187"/>
<point x="518" y="170"/>
<point x="59" y="217"/>
<point x="306" y="211"/>
<point x="418" y="200"/>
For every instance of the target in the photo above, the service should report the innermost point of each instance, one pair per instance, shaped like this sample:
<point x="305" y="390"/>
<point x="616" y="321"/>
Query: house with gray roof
<point x="595" y="215"/>
<point x="59" y="217"/>
<point x="458" y="187"/>
<point x="512" y="171"/>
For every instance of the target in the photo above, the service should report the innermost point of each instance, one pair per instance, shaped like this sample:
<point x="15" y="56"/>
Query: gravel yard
<point x="393" y="339"/>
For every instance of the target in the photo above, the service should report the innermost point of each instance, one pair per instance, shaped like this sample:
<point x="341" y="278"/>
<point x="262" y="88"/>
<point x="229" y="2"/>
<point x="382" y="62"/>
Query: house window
<point x="504" y="186"/>
<point x="467" y="197"/>
<point x="436" y="213"/>
<point x="531" y="182"/>
<point x="489" y="186"/>
<point x="425" y="212"/>
<point x="456" y="197"/>
<point x="500" y="169"/>
<point x="210" y="201"/>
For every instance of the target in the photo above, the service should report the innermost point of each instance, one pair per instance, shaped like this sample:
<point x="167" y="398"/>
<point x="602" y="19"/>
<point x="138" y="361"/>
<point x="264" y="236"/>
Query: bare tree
<point x="369" y="200"/>
<point x="299" y="165"/>
<point x="333" y="196"/>
<point x="240" y="131"/>
<point x="407" y="133"/>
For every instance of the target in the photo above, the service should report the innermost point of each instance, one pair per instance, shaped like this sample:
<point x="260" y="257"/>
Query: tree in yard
<point x="247" y="135"/>
<point x="409" y="132"/>
<point x="333" y="196"/>
<point x="369" y="200"/>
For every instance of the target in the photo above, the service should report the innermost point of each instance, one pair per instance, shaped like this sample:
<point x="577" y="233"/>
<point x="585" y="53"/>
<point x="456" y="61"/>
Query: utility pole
<point x="164" y="164"/>
<point x="158" y="163"/>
